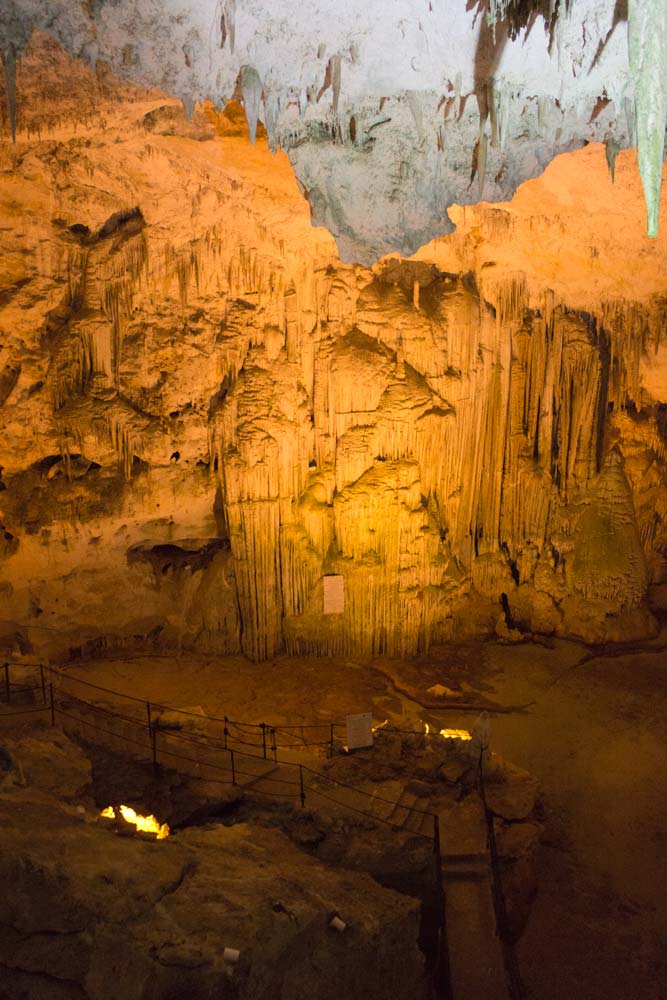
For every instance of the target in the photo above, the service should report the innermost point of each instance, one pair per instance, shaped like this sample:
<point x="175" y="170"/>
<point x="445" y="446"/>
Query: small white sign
<point x="359" y="731"/>
<point x="334" y="595"/>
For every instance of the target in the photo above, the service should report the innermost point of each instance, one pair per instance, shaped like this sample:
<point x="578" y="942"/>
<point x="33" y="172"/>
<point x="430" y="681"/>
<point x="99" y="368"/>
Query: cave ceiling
<point x="222" y="381"/>
<point x="390" y="111"/>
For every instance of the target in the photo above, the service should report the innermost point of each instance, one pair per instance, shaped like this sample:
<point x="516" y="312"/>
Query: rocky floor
<point x="590" y="724"/>
<point x="248" y="867"/>
<point x="225" y="910"/>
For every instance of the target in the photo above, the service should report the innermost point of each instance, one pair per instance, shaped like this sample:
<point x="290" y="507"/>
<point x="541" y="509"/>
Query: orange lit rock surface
<point x="204" y="412"/>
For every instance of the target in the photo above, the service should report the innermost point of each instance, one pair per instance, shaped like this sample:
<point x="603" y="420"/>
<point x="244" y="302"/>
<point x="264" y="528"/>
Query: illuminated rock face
<point x="204" y="412"/>
<point x="390" y="113"/>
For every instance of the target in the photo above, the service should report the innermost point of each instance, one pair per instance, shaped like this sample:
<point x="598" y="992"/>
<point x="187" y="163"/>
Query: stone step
<point x="403" y="810"/>
<point x="466" y="867"/>
<point x="417" y="822"/>
<point x="470" y="872"/>
<point x="389" y="791"/>
<point x="381" y="810"/>
<point x="476" y="958"/>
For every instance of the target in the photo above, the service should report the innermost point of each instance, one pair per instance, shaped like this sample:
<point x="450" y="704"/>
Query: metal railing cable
<point x="266" y="733"/>
<point x="61" y="703"/>
<point x="65" y="699"/>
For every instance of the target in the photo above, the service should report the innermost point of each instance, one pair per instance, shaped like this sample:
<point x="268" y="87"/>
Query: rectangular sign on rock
<point x="334" y="595"/>
<point x="359" y="731"/>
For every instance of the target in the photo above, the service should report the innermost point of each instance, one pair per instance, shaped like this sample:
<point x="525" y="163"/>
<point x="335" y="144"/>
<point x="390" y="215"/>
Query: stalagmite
<point x="647" y="43"/>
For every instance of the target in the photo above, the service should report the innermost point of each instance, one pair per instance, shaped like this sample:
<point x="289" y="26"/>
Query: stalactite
<point x="414" y="101"/>
<point x="647" y="44"/>
<point x="430" y="438"/>
<point x="125" y="440"/>
<point x="251" y="89"/>
<point x="188" y="103"/>
<point x="497" y="11"/>
<point x="332" y="78"/>
<point x="503" y="99"/>
<point x="511" y="298"/>
<point x="9" y="63"/>
<point x="271" y="116"/>
<point x="481" y="161"/>
<point x="335" y="80"/>
<point x="228" y="24"/>
<point x="630" y="112"/>
<point x="612" y="149"/>
<point x="300" y="567"/>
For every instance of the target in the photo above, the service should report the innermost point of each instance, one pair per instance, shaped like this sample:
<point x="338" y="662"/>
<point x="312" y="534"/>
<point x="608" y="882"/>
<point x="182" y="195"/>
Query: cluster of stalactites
<point x="268" y="101"/>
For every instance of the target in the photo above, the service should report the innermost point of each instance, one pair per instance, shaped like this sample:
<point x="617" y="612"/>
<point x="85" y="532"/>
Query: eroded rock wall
<point x="204" y="413"/>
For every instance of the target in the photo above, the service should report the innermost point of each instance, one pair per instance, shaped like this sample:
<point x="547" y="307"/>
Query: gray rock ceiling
<point x="391" y="110"/>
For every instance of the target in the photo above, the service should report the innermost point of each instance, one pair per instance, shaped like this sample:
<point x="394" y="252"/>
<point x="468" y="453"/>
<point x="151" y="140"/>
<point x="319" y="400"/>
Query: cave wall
<point x="203" y="412"/>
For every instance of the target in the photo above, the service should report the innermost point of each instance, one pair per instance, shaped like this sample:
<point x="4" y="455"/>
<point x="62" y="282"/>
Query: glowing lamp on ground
<point x="448" y="734"/>
<point x="144" y="824"/>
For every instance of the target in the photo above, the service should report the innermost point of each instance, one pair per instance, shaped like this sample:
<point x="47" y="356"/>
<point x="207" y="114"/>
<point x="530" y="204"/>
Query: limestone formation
<point x="390" y="114"/>
<point x="205" y="413"/>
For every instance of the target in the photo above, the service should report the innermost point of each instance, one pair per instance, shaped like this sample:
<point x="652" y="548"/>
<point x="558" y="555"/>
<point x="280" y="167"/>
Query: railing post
<point x="274" y="747"/>
<point x="8" y="696"/>
<point x="263" y="725"/>
<point x="150" y="721"/>
<point x="302" y="790"/>
<point x="53" y="705"/>
<point x="225" y="732"/>
<point x="231" y="756"/>
<point x="154" y="747"/>
<point x="43" y="680"/>
<point x="331" y="740"/>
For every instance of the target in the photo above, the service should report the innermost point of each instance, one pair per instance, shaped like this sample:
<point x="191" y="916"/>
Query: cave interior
<point x="333" y="499"/>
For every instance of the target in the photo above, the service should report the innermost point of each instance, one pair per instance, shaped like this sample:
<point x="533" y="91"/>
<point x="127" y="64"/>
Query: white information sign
<point x="359" y="731"/>
<point x="334" y="595"/>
